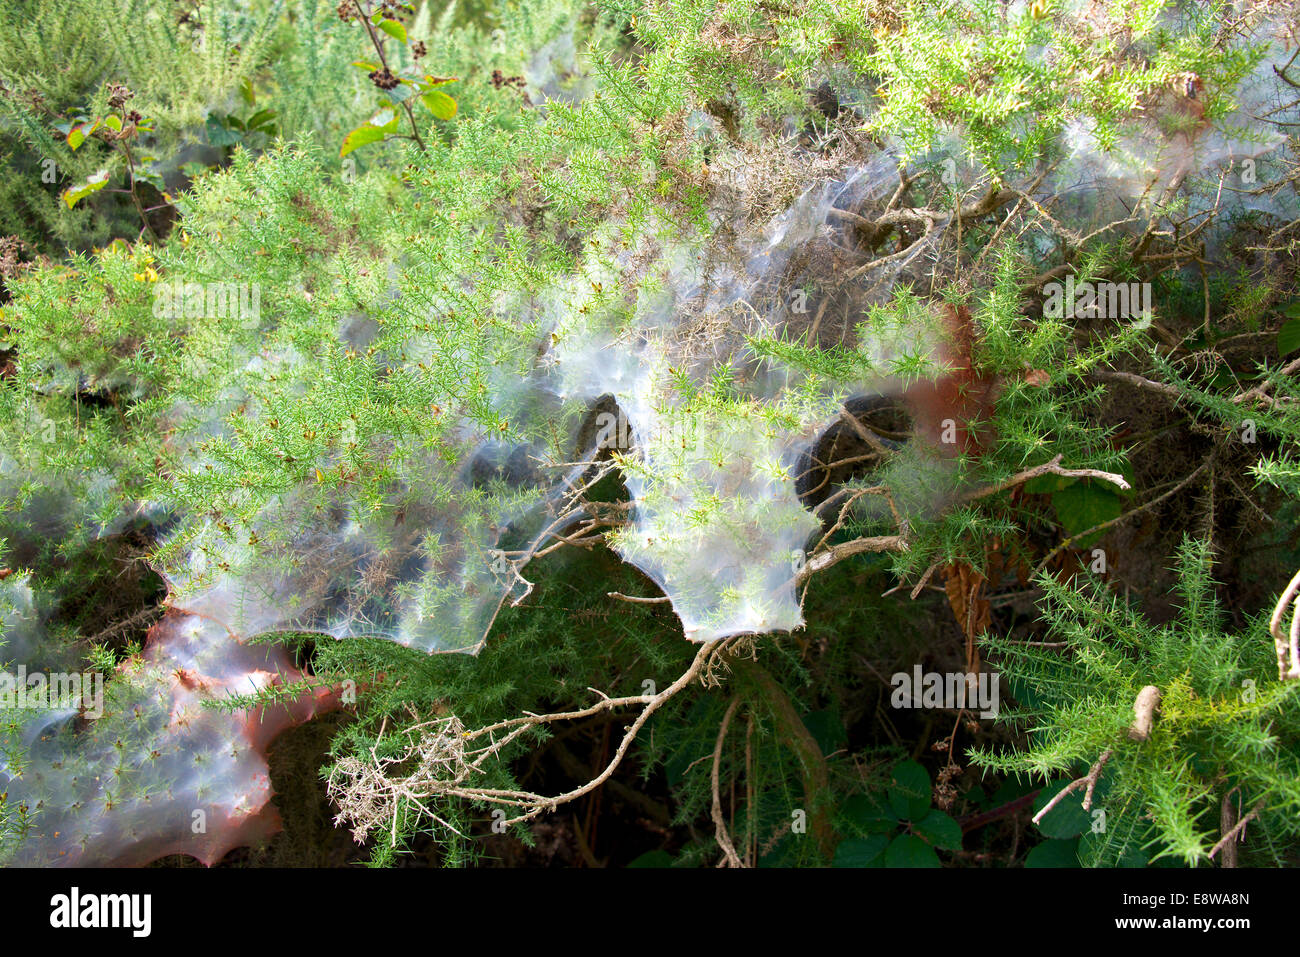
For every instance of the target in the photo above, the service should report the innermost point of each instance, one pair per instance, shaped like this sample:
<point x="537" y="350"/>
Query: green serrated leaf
<point x="1083" y="504"/>
<point x="440" y="104"/>
<point x="393" y="29"/>
<point x="861" y="852"/>
<point x="940" y="830"/>
<point x="152" y="178"/>
<point x="403" y="91"/>
<point x="869" y="814"/>
<point x="1288" y="337"/>
<point x="378" y="127"/>
<point x="1054" y="854"/>
<point x="219" y="134"/>
<point x="908" y="850"/>
<point x="93" y="184"/>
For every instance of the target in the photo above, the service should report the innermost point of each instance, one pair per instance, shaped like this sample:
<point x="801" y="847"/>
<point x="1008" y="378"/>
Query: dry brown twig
<point x="1144" y="710"/>
<point x="446" y="759"/>
<point x="1137" y="381"/>
<point x="730" y="857"/>
<point x="837" y="553"/>
<point x="1287" y="641"/>
<point x="1047" y="468"/>
<point x="1261" y="391"/>
<point x="1090" y="780"/>
<point x="885" y="543"/>
<point x="1042" y="565"/>
<point x="652" y="600"/>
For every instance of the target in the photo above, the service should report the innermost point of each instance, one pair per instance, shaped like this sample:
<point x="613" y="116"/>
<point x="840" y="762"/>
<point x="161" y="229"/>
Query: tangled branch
<point x="440" y="759"/>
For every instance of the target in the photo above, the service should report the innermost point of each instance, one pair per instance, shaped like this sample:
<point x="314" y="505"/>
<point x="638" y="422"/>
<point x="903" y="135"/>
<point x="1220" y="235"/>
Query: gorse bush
<point x="1219" y="702"/>
<point x="654" y="354"/>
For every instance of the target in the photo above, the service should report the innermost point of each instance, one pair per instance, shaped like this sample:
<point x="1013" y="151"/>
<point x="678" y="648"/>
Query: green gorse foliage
<point x="312" y="454"/>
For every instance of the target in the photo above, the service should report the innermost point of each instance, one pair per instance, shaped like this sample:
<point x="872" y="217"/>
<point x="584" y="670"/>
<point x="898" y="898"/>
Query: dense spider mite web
<point x="686" y="390"/>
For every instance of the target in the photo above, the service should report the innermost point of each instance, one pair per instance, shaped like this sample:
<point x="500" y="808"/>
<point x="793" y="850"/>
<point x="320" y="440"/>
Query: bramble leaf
<point x="378" y="127"/>
<point x="940" y="830"/>
<point x="908" y="850"/>
<point x="1288" y="337"/>
<point x="861" y="851"/>
<point x="393" y="29"/>
<point x="440" y="104"/>
<point x="93" y="184"/>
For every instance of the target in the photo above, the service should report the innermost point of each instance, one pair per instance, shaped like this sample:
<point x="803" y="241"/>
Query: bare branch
<point x="1089" y="779"/>
<point x="1287" y="643"/>
<point x="1138" y="381"/>
<point x="640" y="601"/>
<point x="837" y="553"/>
<point x="731" y="858"/>
<point x="368" y="793"/>
<point x="1231" y="835"/>
<point x="1047" y="468"/>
